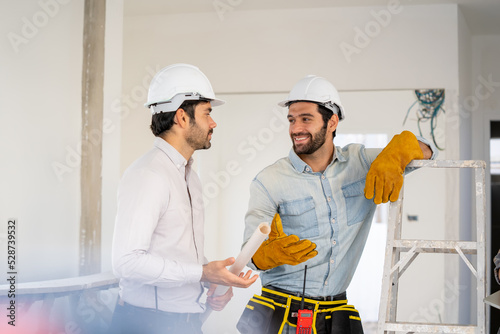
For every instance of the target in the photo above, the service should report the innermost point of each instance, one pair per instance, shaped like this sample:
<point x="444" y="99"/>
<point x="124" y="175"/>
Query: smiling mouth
<point x="299" y="139"/>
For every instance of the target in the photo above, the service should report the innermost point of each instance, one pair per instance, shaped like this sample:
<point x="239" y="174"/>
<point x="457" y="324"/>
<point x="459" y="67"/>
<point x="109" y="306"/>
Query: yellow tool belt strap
<point x="285" y="300"/>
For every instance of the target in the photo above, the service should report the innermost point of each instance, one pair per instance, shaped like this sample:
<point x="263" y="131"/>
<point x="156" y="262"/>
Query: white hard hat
<point x="177" y="83"/>
<point x="318" y="90"/>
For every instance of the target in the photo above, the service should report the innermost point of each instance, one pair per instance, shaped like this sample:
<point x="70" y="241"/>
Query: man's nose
<point x="212" y="123"/>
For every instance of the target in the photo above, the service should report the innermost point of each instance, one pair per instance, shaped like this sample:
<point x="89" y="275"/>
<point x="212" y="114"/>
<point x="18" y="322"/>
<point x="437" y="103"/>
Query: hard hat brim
<point x="283" y="103"/>
<point x="217" y="102"/>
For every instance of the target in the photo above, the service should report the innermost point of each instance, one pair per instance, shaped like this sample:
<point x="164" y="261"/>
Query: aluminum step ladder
<point x="395" y="264"/>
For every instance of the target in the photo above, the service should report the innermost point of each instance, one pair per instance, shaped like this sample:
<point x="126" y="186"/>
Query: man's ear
<point x="333" y="122"/>
<point x="181" y="118"/>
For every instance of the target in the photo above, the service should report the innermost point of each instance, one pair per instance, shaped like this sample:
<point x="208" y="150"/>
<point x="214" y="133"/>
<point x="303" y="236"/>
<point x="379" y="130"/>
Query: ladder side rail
<point x="481" y="248"/>
<point x="396" y="257"/>
<point x="389" y="290"/>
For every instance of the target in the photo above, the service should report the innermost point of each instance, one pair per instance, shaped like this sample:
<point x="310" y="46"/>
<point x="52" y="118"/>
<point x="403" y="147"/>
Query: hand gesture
<point x="282" y="249"/>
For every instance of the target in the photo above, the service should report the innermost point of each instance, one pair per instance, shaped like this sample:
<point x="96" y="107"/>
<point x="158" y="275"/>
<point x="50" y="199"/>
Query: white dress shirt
<point x="158" y="236"/>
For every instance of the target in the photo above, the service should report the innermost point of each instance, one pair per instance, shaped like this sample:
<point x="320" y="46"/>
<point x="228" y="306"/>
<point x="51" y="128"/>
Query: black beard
<point x="197" y="138"/>
<point x="317" y="141"/>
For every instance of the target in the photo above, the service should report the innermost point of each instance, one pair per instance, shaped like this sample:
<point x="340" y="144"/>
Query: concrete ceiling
<point x="482" y="16"/>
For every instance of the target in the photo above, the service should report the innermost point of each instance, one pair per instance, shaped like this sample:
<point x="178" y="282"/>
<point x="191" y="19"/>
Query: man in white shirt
<point x="158" y="242"/>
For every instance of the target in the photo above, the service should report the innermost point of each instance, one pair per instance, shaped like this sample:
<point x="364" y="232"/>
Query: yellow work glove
<point x="385" y="176"/>
<point x="282" y="249"/>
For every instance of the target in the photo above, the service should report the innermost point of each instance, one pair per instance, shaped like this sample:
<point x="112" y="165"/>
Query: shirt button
<point x="329" y="198"/>
<point x="332" y="261"/>
<point x="326" y="283"/>
<point x="333" y="220"/>
<point x="334" y="242"/>
<point x="307" y="169"/>
<point x="323" y="177"/>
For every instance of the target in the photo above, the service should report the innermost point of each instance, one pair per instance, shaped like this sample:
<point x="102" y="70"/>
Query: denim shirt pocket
<point x="355" y="201"/>
<point x="299" y="217"/>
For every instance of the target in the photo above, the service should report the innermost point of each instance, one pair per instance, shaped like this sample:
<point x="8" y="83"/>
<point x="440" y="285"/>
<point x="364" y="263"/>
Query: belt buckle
<point x="323" y="298"/>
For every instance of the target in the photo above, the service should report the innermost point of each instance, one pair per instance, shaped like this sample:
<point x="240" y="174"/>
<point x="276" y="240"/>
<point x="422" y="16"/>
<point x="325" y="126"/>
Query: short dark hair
<point x="163" y="122"/>
<point x="327" y="114"/>
<point x="324" y="111"/>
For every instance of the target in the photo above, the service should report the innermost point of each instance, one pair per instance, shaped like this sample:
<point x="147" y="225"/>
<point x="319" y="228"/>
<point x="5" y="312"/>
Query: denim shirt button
<point x="332" y="261"/>
<point x="329" y="198"/>
<point x="334" y="242"/>
<point x="323" y="177"/>
<point x="333" y="220"/>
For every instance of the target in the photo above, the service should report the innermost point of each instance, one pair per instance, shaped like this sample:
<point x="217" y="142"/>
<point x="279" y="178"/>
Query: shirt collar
<point x="339" y="155"/>
<point x="178" y="159"/>
<point x="302" y="167"/>
<point x="298" y="163"/>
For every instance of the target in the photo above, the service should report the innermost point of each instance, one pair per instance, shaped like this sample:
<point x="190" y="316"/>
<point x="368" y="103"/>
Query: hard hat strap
<point x="332" y="106"/>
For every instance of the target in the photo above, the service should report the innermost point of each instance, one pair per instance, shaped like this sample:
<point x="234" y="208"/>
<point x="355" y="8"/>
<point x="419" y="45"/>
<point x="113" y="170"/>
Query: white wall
<point x="40" y="129"/>
<point x="486" y="53"/>
<point x="40" y="125"/>
<point x="239" y="55"/>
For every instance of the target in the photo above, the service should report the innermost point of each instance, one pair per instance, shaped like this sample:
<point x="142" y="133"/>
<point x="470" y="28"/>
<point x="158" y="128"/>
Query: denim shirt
<point x="329" y="208"/>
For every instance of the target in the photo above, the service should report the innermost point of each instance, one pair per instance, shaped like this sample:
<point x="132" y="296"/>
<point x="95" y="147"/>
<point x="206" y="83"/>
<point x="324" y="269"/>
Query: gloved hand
<point x="282" y="249"/>
<point x="385" y="176"/>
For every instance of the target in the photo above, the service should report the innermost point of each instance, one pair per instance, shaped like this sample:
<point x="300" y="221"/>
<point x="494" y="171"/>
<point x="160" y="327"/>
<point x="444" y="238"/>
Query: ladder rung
<point x="428" y="328"/>
<point x="436" y="246"/>
<point x="448" y="163"/>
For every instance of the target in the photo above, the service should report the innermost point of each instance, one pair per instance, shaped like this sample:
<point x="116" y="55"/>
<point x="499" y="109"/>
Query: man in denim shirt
<point x="319" y="194"/>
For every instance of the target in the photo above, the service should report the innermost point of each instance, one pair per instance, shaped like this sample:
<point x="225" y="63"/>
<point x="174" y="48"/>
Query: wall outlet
<point x="412" y="218"/>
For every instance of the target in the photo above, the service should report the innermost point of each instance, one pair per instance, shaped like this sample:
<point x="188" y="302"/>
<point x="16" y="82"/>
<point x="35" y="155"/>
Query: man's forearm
<point x="141" y="266"/>
<point x="426" y="150"/>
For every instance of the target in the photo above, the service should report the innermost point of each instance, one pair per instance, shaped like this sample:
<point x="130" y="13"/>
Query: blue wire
<point x="435" y="102"/>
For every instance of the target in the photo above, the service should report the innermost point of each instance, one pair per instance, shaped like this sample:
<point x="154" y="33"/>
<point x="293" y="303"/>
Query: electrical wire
<point x="430" y="104"/>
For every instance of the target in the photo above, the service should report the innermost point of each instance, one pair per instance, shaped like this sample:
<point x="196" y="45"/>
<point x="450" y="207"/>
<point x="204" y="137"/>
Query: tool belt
<point x="268" y="313"/>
